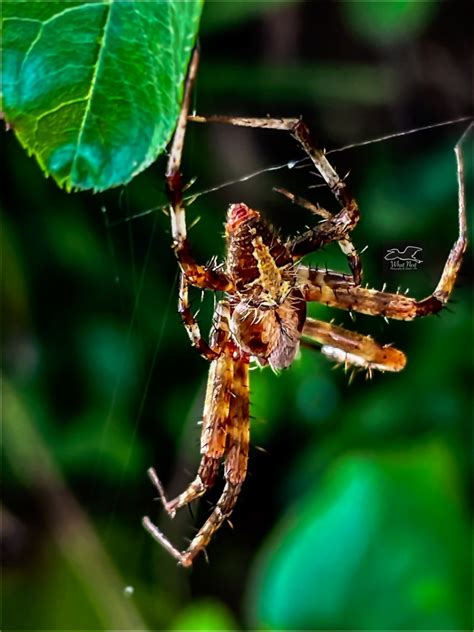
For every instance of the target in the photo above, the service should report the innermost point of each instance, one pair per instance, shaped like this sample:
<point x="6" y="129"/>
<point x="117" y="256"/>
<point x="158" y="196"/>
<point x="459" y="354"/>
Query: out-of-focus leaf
<point x="93" y="89"/>
<point x="388" y="22"/>
<point x="388" y="530"/>
<point x="204" y="615"/>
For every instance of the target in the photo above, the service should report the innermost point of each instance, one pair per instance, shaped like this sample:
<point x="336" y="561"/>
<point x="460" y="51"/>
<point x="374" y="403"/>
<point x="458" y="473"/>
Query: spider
<point x="262" y="315"/>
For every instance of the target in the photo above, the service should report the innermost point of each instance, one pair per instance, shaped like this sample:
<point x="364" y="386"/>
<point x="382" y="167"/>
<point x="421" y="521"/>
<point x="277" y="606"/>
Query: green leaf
<point x="205" y="614"/>
<point x="385" y="530"/>
<point x="93" y="89"/>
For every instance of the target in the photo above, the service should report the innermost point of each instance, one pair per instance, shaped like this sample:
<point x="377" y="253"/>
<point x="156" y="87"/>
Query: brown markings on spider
<point x="262" y="316"/>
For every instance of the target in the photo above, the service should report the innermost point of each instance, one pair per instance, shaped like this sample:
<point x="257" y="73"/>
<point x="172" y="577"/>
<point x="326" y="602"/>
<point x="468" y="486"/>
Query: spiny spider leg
<point x="215" y="418"/>
<point x="303" y="202"/>
<point x="161" y="538"/>
<point x="206" y="277"/>
<point x="191" y="272"/>
<point x="351" y="348"/>
<point x="338" y="225"/>
<point x="235" y="466"/>
<point x="212" y="438"/>
<point x="345" y="245"/>
<point x="338" y="290"/>
<point x="235" y="444"/>
<point x="190" y="323"/>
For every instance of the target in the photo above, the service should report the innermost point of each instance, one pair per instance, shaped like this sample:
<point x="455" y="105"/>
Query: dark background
<point x="356" y="514"/>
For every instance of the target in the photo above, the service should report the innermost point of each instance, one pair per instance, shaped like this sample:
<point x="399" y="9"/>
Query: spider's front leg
<point x="235" y="468"/>
<point x="229" y="438"/>
<point x="215" y="415"/>
<point x="213" y="436"/>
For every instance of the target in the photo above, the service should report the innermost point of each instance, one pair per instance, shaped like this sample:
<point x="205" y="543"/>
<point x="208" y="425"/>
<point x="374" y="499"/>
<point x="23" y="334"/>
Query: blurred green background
<point x="356" y="514"/>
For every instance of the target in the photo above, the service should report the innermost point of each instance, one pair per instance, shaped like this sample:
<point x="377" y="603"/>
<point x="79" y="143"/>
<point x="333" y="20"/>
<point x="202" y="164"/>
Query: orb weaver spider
<point x="262" y="317"/>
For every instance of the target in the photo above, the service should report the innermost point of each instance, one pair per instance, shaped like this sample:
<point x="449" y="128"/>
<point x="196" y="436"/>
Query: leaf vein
<point x="90" y="95"/>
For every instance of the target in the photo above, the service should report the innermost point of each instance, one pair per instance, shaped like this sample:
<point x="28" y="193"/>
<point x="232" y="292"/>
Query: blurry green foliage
<point x="93" y="89"/>
<point x="205" y="615"/>
<point x="361" y="537"/>
<point x="384" y="23"/>
<point x="224" y="13"/>
<point x="78" y="581"/>
<point x="352" y="82"/>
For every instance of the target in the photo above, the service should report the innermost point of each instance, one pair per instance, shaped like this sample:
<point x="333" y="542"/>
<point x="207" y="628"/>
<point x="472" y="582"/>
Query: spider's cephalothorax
<point x="267" y="310"/>
<point x="262" y="315"/>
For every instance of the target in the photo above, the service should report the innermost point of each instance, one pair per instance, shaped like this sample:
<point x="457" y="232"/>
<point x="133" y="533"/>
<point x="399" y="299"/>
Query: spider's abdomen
<point x="246" y="231"/>
<point x="268" y="312"/>
<point x="270" y="336"/>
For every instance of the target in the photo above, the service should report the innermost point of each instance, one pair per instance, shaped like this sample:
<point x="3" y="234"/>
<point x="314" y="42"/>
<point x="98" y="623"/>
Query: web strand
<point x="292" y="164"/>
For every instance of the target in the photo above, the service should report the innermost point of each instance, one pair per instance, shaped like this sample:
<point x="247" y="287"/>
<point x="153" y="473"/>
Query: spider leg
<point x="345" y="245"/>
<point x="236" y="448"/>
<point x="235" y="468"/>
<point x="190" y="323"/>
<point x="338" y="290"/>
<point x="350" y="348"/>
<point x="205" y="277"/>
<point x="215" y="418"/>
<point x="213" y="436"/>
<point x="338" y="225"/>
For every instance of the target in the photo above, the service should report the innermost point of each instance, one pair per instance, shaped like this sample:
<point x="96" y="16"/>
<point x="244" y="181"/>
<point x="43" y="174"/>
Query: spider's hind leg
<point x="299" y="248"/>
<point x="205" y="277"/>
<point x="338" y="290"/>
<point x="334" y="228"/>
<point x="350" y="348"/>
